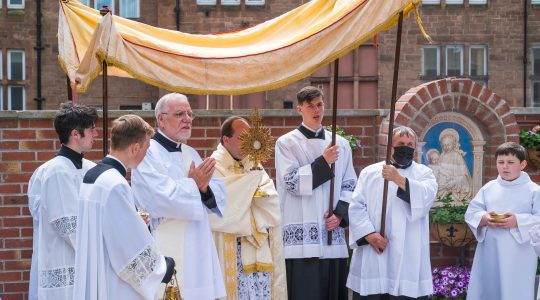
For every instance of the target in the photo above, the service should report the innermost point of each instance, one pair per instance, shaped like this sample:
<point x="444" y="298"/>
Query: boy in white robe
<point x="248" y="237"/>
<point x="116" y="256"/>
<point x="396" y="265"/>
<point x="504" y="265"/>
<point x="53" y="197"/>
<point x="315" y="270"/>
<point x="176" y="187"/>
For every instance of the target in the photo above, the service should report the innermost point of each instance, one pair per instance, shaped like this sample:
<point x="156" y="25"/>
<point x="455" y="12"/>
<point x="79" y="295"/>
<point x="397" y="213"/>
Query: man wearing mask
<point x="397" y="265"/>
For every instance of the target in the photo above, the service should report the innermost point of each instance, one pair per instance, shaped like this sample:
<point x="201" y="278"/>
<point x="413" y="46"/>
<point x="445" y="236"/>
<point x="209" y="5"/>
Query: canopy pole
<point x="103" y="12"/>
<point x="392" y="113"/>
<point x="334" y="121"/>
<point x="68" y="85"/>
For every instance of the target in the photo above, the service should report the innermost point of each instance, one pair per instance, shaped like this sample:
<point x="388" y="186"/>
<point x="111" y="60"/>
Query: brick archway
<point x="423" y="103"/>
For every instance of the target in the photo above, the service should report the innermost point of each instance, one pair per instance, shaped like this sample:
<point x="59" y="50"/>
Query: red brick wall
<point x="27" y="139"/>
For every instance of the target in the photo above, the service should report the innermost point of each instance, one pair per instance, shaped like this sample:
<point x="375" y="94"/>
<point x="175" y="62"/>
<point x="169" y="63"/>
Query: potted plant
<point x="450" y="282"/>
<point x="354" y="142"/>
<point x="530" y="139"/>
<point x="447" y="221"/>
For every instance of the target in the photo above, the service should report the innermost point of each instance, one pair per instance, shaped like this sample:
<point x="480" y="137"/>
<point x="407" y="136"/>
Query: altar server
<point x="175" y="186"/>
<point x="315" y="270"/>
<point x="396" y="265"/>
<point x="53" y="200"/>
<point x="116" y="256"/>
<point x="500" y="217"/>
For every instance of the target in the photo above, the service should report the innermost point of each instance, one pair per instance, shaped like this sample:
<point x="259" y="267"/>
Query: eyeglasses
<point x="181" y="114"/>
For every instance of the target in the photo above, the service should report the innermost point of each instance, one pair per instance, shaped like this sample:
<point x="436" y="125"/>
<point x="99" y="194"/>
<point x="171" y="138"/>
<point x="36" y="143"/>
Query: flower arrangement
<point x="530" y="138"/>
<point x="354" y="142"/>
<point x="449" y="212"/>
<point x="450" y="282"/>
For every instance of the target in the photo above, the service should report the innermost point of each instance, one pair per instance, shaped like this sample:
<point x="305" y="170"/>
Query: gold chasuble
<point x="255" y="221"/>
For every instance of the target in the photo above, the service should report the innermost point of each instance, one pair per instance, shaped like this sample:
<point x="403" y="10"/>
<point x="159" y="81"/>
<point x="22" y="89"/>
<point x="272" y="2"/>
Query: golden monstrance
<point x="257" y="144"/>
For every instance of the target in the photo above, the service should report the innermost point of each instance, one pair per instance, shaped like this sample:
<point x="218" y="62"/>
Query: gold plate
<point x="498" y="217"/>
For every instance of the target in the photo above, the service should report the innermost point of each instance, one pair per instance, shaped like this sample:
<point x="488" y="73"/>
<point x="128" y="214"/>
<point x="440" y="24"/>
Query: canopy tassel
<point x="419" y="22"/>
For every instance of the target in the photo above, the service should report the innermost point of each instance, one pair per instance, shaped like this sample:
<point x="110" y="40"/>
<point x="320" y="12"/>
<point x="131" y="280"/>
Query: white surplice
<point x="302" y="207"/>
<point x="403" y="268"/>
<point x="504" y="265"/>
<point x="53" y="200"/>
<point x="162" y="188"/>
<point x="116" y="256"/>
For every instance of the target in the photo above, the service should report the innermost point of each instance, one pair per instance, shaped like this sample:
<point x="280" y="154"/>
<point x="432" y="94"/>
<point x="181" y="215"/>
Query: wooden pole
<point x="392" y="113"/>
<point x="334" y="121"/>
<point x="103" y="12"/>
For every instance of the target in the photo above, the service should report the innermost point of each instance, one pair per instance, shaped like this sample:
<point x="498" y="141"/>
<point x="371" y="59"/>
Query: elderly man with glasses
<point x="175" y="186"/>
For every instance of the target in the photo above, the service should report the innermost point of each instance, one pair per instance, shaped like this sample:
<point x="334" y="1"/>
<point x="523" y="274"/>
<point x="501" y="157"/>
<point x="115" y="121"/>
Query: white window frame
<point x="477" y="2"/>
<point x="429" y="2"/>
<point x="110" y="7"/>
<point x="9" y="64"/>
<point x="438" y="48"/>
<point x="1" y="60"/>
<point x="23" y="94"/>
<point x="485" y="58"/>
<point x="206" y="2"/>
<point x="137" y="14"/>
<point x="255" y="2"/>
<point x="454" y="2"/>
<point x="230" y="2"/>
<point x="532" y="94"/>
<point x="446" y="59"/>
<point x="1" y="98"/>
<point x="532" y="58"/>
<point x="15" y="6"/>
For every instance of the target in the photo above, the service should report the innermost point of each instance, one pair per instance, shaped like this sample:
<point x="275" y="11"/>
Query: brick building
<point x="20" y="65"/>
<point x="488" y="31"/>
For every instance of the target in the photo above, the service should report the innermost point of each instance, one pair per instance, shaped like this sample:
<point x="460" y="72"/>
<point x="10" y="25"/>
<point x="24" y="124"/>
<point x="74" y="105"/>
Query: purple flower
<point x="450" y="282"/>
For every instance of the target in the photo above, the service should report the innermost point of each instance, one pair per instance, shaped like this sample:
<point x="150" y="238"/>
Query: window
<point x="454" y="60"/>
<point x="431" y="61"/>
<point x="129" y="9"/>
<point x="454" y="1"/>
<point x="1" y="67"/>
<point x="478" y="60"/>
<point x="1" y="98"/>
<point x="16" y="98"/>
<point x="535" y="1"/>
<point x="206" y="2"/>
<point x="254" y="2"/>
<point x="98" y="4"/>
<point x="15" y="64"/>
<point x="85" y="2"/>
<point x="15" y="4"/>
<point x="431" y="1"/>
<point x="478" y="2"/>
<point x="230" y="2"/>
<point x="535" y="70"/>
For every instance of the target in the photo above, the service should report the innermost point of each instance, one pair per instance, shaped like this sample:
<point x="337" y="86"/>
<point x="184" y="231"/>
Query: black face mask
<point x="403" y="155"/>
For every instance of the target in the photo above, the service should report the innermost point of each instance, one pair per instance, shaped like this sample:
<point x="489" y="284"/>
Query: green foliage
<point x="530" y="138"/>
<point x="448" y="212"/>
<point x="354" y="142"/>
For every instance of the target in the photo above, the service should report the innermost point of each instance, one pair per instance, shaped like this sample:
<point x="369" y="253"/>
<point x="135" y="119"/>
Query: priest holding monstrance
<point x="248" y="237"/>
<point x="177" y="188"/>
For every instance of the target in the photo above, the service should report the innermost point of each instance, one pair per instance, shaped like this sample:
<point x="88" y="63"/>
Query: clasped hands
<point x="507" y="223"/>
<point x="377" y="242"/>
<point x="202" y="174"/>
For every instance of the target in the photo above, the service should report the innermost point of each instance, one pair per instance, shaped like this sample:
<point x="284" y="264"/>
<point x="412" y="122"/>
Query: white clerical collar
<point x="110" y="156"/>
<point x="178" y="144"/>
<point x="316" y="131"/>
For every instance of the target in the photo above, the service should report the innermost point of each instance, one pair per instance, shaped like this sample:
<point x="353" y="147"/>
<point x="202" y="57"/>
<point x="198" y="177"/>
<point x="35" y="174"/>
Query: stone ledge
<point x="201" y="113"/>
